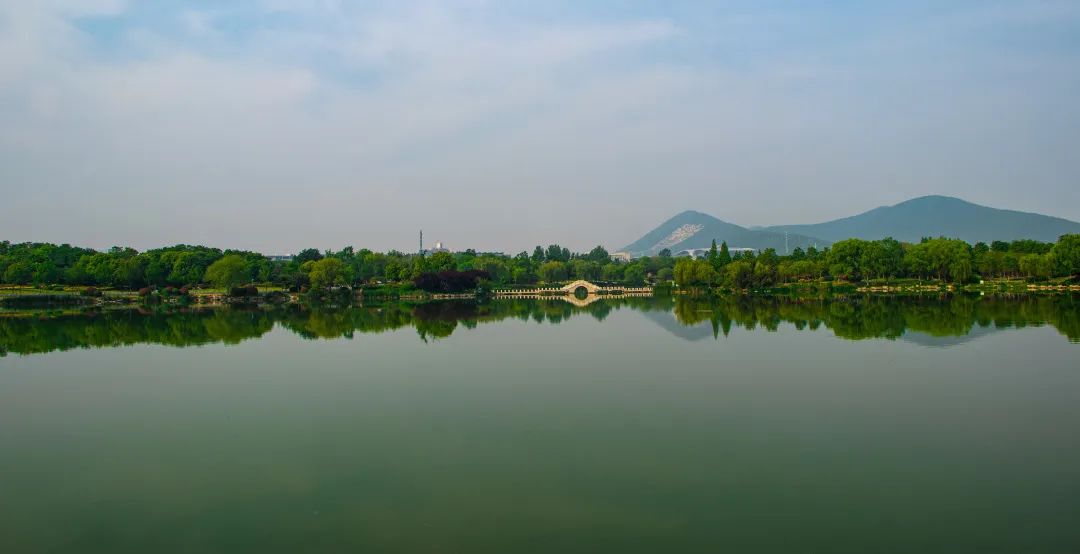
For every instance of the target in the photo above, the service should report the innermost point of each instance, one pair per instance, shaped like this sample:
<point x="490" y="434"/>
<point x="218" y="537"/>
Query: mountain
<point x="933" y="216"/>
<point x="692" y="229"/>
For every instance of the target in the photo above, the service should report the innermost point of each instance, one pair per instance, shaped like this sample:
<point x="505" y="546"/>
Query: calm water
<point x="648" y="425"/>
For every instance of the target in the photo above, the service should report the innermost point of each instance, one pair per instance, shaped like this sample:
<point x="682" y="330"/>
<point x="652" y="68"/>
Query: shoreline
<point x="43" y="302"/>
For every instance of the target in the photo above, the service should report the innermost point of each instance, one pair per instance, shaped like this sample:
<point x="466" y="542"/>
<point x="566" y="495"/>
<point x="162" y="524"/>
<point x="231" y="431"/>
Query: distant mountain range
<point x="933" y="216"/>
<point x="926" y="216"/>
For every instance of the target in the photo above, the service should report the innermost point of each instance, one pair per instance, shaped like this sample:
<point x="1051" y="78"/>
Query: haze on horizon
<point x="277" y="125"/>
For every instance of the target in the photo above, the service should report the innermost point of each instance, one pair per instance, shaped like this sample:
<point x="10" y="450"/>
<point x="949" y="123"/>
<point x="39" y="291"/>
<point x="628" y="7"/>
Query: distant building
<point x="280" y="258"/>
<point x="702" y="252"/>
<point x="439" y="247"/>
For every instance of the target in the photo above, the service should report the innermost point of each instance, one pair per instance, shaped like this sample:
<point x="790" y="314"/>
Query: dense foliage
<point x="451" y="280"/>
<point x="183" y="265"/>
<point x="948" y="260"/>
<point x="852" y="260"/>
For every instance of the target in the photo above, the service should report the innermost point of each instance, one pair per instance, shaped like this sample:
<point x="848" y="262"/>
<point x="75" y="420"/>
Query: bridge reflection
<point x="581" y="302"/>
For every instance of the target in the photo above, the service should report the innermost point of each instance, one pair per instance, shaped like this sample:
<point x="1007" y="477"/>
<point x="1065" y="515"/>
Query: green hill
<point x="933" y="216"/>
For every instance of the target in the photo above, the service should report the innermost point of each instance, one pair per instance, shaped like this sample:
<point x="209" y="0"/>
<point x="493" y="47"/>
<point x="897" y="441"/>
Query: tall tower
<point x="421" y="242"/>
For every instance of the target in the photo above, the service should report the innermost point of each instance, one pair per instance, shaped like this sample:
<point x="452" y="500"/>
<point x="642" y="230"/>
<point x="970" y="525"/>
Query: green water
<point x="854" y="425"/>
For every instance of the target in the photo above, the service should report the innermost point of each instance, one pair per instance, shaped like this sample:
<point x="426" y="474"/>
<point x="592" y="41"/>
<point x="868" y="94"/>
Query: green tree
<point x="765" y="274"/>
<point x="893" y="251"/>
<point x="524" y="276"/>
<point x="189" y="267"/>
<point x="845" y="259"/>
<point x="612" y="272"/>
<point x="598" y="255"/>
<point x="947" y="259"/>
<point x="991" y="264"/>
<point x="417" y="267"/>
<point x="497" y="268"/>
<point x="328" y="272"/>
<point x="555" y="252"/>
<point x="585" y="269"/>
<point x="769" y="257"/>
<point x="694" y="273"/>
<point x="19" y="273"/>
<point x="1067" y="254"/>
<point x="873" y="261"/>
<point x="725" y="254"/>
<point x="396" y="269"/>
<point x="1040" y="266"/>
<point x="307" y="255"/>
<point x="228" y="272"/>
<point x="917" y="260"/>
<point x="634" y="275"/>
<point x="1028" y="246"/>
<point x="960" y="263"/>
<point x="440" y="261"/>
<point x="739" y="274"/>
<point x="552" y="272"/>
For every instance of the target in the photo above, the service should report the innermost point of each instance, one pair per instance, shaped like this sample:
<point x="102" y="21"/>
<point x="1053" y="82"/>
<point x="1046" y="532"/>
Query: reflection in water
<point x="925" y="320"/>
<point x="890" y="317"/>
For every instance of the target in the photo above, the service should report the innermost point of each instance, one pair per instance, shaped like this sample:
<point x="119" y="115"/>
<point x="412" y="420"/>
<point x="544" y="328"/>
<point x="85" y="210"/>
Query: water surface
<point x="645" y="425"/>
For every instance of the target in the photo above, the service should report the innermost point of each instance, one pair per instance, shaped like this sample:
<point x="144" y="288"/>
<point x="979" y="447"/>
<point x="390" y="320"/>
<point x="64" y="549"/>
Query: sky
<point x="277" y="125"/>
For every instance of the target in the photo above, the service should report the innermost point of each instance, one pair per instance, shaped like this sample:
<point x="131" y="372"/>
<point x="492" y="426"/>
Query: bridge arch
<point x="581" y="284"/>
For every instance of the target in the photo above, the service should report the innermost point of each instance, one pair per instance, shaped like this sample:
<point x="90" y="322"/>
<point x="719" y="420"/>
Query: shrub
<point x="450" y="281"/>
<point x="245" y="291"/>
<point x="90" y="291"/>
<point x="145" y="291"/>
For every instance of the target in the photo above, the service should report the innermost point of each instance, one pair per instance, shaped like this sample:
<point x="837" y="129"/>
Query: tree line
<point x="182" y="265"/>
<point x="857" y="260"/>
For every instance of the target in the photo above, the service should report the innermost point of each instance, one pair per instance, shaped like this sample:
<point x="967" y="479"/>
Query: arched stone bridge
<point x="572" y="288"/>
<point x="583" y="284"/>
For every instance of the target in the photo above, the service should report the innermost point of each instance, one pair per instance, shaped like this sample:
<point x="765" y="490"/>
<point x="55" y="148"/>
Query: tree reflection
<point x="849" y="317"/>
<point x="889" y="317"/>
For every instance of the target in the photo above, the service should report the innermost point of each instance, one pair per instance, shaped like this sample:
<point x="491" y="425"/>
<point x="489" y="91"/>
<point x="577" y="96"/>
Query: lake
<point x="851" y="424"/>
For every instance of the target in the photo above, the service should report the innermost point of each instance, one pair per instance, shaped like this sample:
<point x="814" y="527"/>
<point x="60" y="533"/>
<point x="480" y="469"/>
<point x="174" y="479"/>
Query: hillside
<point x="692" y="229"/>
<point x="938" y="216"/>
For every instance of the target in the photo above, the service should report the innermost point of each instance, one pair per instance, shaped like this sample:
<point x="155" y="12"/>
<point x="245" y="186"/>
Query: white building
<point x="439" y="247"/>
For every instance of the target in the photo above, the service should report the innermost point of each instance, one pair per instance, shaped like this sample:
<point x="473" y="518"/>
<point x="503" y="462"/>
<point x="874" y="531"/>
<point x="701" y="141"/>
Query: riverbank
<point x="74" y="297"/>
<point x="904" y="287"/>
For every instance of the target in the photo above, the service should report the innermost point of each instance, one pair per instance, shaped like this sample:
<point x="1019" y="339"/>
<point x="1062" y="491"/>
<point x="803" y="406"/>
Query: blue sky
<point x="276" y="125"/>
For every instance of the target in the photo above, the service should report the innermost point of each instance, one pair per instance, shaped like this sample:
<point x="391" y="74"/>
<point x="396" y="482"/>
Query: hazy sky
<point x="275" y="125"/>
